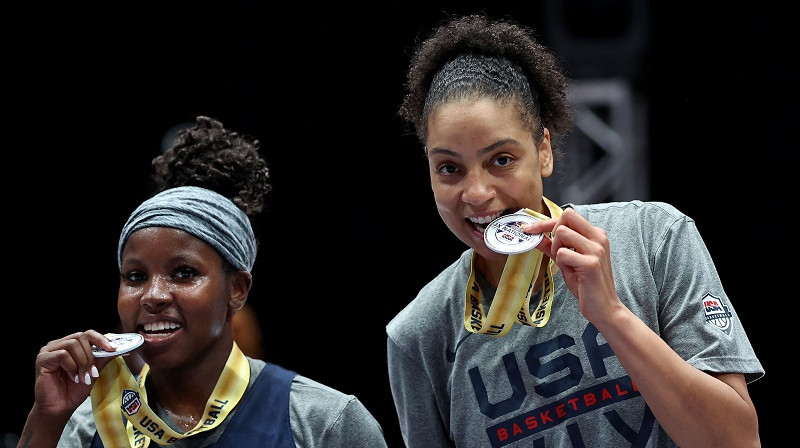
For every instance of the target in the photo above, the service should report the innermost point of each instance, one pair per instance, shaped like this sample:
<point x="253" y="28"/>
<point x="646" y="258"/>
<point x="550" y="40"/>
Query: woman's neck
<point x="183" y="400"/>
<point x="492" y="271"/>
<point x="184" y="391"/>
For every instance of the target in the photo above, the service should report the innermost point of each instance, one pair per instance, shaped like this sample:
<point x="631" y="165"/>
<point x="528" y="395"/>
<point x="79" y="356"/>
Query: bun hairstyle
<point x="208" y="155"/>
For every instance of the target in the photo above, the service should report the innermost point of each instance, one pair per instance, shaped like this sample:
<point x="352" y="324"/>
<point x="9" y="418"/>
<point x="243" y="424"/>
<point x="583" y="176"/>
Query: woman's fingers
<point x="73" y="354"/>
<point x="544" y="246"/>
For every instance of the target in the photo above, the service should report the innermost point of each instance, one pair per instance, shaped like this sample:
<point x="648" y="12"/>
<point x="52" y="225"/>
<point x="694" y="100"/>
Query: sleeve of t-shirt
<point x="80" y="428"/>
<point x="356" y="427"/>
<point x="322" y="416"/>
<point x="697" y="318"/>
<point x="420" y="421"/>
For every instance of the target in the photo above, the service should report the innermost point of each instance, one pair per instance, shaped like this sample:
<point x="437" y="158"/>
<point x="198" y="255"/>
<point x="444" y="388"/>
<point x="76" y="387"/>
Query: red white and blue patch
<point x="717" y="313"/>
<point x="131" y="403"/>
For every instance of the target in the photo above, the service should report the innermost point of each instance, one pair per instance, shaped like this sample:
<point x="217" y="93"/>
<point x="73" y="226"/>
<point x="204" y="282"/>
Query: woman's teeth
<point x="480" y="222"/>
<point x="160" y="326"/>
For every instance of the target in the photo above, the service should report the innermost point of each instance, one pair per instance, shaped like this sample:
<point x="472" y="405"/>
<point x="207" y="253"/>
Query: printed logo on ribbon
<point x="131" y="403"/>
<point x="717" y="313"/>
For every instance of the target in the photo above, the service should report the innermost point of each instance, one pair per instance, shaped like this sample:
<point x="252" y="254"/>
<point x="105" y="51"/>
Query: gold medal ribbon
<point x="512" y="300"/>
<point x="117" y="388"/>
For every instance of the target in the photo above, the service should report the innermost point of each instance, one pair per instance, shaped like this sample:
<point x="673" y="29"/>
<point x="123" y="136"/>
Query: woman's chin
<point x="487" y="253"/>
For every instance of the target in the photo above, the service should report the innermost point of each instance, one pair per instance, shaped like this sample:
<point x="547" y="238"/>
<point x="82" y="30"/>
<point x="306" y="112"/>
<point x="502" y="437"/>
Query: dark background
<point x="351" y="232"/>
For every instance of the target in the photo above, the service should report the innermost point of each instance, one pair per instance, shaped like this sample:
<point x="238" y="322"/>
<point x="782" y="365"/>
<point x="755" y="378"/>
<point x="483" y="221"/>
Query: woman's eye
<point x="447" y="169"/>
<point x="502" y="160"/>
<point x="185" y="272"/>
<point x="134" y="276"/>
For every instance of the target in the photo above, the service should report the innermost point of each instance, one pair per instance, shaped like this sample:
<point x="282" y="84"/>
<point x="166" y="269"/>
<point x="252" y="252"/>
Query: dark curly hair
<point x="208" y="155"/>
<point x="472" y="56"/>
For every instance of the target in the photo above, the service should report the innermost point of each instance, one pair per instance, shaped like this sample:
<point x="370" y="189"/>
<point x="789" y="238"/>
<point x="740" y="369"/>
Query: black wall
<point x="351" y="232"/>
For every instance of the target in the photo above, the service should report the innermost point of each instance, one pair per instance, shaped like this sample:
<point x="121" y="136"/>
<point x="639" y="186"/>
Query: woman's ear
<point x="240" y="288"/>
<point x="545" y="155"/>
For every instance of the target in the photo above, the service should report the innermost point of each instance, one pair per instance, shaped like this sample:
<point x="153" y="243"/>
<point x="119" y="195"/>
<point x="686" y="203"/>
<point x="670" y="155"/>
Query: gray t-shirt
<point x="320" y="416"/>
<point x="561" y="385"/>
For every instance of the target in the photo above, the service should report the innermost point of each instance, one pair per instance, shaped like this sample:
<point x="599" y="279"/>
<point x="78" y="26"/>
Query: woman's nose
<point x="157" y="294"/>
<point x="477" y="188"/>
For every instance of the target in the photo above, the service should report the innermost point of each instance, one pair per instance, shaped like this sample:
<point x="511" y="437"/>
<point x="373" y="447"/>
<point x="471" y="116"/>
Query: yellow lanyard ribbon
<point x="117" y="388"/>
<point x="512" y="299"/>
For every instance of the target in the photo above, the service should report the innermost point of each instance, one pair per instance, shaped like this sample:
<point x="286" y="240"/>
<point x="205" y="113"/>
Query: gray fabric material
<point x="561" y="385"/>
<point x="203" y="213"/>
<point x="320" y="417"/>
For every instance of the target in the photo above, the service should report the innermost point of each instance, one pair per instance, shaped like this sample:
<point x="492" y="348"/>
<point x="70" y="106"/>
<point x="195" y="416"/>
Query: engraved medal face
<point x="505" y="235"/>
<point x="124" y="343"/>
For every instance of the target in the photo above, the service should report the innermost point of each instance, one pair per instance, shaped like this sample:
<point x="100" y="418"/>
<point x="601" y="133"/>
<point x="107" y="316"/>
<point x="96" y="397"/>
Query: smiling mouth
<point x="480" y="223"/>
<point x="156" y="328"/>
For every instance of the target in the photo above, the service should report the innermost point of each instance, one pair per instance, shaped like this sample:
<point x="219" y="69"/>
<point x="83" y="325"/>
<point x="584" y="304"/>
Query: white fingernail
<point x="77" y="380"/>
<point x="95" y="373"/>
<point x="87" y="379"/>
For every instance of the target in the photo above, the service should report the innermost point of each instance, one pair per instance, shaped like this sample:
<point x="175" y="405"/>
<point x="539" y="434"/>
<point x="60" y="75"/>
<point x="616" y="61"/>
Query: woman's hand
<point x="65" y="370"/>
<point x="581" y="252"/>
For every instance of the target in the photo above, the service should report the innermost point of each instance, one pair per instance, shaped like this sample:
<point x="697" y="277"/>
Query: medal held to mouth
<point x="505" y="235"/>
<point x="512" y="300"/>
<point x="124" y="343"/>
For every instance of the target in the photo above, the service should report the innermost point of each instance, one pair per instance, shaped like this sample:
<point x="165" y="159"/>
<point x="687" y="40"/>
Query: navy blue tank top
<point x="262" y="417"/>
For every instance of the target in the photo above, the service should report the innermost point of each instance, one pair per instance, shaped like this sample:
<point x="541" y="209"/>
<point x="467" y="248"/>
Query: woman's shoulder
<point x="305" y="393"/>
<point x="307" y="390"/>
<point x="623" y="214"/>
<point x="321" y="411"/>
<point x="632" y="207"/>
<point x="433" y="298"/>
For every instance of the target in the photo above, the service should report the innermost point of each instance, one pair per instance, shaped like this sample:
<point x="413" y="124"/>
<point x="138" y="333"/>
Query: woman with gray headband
<point x="185" y="258"/>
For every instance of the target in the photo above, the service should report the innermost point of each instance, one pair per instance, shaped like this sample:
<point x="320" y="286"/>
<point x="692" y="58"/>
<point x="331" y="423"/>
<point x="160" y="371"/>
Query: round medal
<point x="505" y="235"/>
<point x="124" y="343"/>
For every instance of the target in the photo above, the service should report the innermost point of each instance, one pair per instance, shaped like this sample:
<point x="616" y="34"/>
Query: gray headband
<point x="203" y="213"/>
